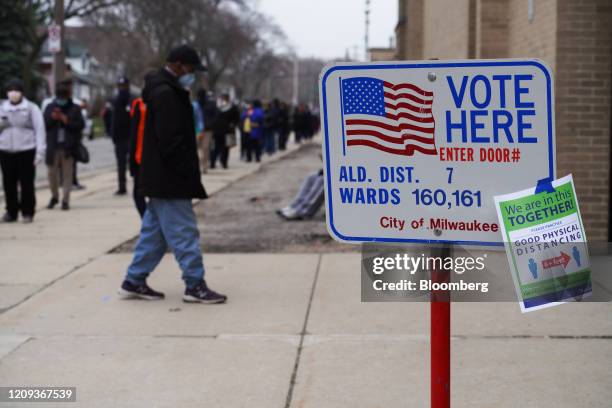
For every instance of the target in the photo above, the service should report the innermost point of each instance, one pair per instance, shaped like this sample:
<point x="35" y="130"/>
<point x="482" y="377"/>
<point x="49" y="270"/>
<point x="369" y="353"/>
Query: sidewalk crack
<point x="302" y="336"/>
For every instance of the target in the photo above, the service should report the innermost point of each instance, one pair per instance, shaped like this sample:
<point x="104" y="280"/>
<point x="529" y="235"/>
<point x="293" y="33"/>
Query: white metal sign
<point x="415" y="151"/>
<point x="55" y="38"/>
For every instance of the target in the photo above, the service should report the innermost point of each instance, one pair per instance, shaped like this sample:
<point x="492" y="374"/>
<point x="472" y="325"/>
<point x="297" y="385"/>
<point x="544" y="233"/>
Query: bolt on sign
<point x="416" y="151"/>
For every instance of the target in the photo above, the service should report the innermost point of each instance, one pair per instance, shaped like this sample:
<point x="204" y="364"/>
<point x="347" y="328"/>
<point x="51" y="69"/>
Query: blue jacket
<point x="257" y="120"/>
<point x="198" y="117"/>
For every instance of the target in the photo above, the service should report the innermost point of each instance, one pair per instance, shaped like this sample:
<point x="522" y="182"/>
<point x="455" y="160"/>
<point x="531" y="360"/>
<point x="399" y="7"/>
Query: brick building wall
<point x="409" y="30"/>
<point x="446" y="29"/>
<point x="583" y="76"/>
<point x="533" y="39"/>
<point x="492" y="27"/>
<point x="574" y="37"/>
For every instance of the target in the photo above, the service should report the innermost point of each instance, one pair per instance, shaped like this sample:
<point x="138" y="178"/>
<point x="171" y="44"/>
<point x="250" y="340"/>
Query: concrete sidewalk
<point x="293" y="334"/>
<point x="58" y="242"/>
<point x="293" y="330"/>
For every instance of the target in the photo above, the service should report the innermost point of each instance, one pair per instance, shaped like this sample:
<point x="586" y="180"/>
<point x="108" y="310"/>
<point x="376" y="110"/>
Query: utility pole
<point x="59" y="65"/>
<point x="366" y="38"/>
<point x="296" y="75"/>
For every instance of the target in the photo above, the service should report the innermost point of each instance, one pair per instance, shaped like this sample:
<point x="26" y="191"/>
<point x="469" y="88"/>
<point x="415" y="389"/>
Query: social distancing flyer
<point x="545" y="244"/>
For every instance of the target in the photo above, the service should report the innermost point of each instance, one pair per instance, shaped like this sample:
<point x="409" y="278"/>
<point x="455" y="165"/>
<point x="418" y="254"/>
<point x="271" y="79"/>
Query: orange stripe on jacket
<point x="141" y="125"/>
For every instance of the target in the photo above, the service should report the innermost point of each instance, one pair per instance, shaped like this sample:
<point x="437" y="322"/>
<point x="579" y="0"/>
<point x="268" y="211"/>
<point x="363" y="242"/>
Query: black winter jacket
<point x="72" y="130"/>
<point x="170" y="167"/>
<point x="226" y="121"/>
<point x="121" y="117"/>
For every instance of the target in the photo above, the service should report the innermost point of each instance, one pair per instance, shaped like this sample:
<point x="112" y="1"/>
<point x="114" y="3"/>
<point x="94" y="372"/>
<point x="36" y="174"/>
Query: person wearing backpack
<point x="22" y="147"/>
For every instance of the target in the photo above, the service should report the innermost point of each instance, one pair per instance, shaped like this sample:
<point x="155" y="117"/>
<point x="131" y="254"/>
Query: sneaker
<point x="120" y="192"/>
<point x="65" y="206"/>
<point x="202" y="294"/>
<point x="78" y="186"/>
<point x="7" y="218"/>
<point x="27" y="219"/>
<point x="52" y="203"/>
<point x="130" y="291"/>
<point x="290" y="214"/>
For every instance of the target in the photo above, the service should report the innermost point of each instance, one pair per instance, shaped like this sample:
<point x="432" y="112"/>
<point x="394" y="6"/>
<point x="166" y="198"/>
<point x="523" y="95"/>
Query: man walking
<point x="120" y="130"/>
<point x="170" y="178"/>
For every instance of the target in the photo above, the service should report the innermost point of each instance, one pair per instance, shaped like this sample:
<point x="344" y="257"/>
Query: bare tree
<point x="239" y="45"/>
<point x="41" y="15"/>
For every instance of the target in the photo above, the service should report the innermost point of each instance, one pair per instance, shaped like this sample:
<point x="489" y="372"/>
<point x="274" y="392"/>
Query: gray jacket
<point x="22" y="128"/>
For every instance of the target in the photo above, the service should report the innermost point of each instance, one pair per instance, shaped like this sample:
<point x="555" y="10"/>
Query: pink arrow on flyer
<point x="556" y="261"/>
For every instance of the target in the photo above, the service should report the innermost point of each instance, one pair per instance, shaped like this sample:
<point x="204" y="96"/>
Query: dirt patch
<point x="242" y="218"/>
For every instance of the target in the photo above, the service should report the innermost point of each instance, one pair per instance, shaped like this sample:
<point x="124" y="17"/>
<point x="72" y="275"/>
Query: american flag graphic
<point x="393" y="118"/>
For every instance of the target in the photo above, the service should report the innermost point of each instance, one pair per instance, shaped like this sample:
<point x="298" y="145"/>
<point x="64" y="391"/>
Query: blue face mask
<point x="186" y="80"/>
<point x="61" y="101"/>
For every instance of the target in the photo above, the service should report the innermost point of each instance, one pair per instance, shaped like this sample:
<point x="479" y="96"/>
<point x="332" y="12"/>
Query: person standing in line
<point x="301" y="123"/>
<point x="209" y="111"/>
<point x="254" y="122"/>
<point x="138" y="114"/>
<point x="198" y="121"/>
<point x="226" y="122"/>
<point x="87" y="132"/>
<point x="242" y="128"/>
<point x="107" y="117"/>
<point x="121" y="131"/>
<point x="64" y="124"/>
<point x="269" y="128"/>
<point x="315" y="120"/>
<point x="283" y="126"/>
<point x="170" y="178"/>
<point x="22" y="147"/>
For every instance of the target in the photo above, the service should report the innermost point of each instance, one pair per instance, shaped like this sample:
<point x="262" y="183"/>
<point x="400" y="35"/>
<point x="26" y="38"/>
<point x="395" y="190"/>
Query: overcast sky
<point x="326" y="28"/>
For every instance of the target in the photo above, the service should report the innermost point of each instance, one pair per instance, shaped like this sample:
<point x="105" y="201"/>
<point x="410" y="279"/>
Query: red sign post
<point x="440" y="338"/>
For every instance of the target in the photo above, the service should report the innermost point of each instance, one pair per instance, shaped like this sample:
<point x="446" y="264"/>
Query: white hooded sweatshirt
<point x="22" y="128"/>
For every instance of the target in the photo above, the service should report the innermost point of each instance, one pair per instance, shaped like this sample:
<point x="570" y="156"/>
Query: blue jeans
<point x="168" y="223"/>
<point x="310" y="197"/>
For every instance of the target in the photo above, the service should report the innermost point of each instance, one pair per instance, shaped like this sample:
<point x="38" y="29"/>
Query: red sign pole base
<point x="440" y="339"/>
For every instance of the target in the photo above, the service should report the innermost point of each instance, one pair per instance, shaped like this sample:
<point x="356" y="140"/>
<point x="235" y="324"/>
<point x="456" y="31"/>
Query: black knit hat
<point x="186" y="55"/>
<point x="15" y="84"/>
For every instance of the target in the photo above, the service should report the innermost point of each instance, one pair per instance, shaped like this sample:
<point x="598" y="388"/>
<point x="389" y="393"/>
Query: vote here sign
<point x="416" y="151"/>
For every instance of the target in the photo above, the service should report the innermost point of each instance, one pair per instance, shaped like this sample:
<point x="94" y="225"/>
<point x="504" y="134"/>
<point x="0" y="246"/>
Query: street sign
<point x="415" y="151"/>
<point x="55" y="38"/>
